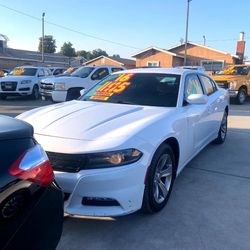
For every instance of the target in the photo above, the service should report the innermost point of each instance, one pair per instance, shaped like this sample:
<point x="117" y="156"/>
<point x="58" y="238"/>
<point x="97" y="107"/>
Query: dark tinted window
<point x="150" y="89"/>
<point x="116" y="69"/>
<point x="100" y="73"/>
<point x="83" y="72"/>
<point x="20" y="71"/>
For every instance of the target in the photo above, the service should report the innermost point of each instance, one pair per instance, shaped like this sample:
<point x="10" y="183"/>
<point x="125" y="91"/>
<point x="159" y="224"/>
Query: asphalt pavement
<point x="209" y="207"/>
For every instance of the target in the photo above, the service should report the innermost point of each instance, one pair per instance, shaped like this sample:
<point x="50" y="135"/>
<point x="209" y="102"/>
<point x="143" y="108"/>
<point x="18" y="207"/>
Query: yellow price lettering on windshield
<point x="112" y="87"/>
<point x="18" y="71"/>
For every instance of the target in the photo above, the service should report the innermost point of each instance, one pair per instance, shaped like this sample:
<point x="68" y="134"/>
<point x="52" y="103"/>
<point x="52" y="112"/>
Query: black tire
<point x="73" y="94"/>
<point x="154" y="201"/>
<point x="222" y="134"/>
<point x="242" y="96"/>
<point x="35" y="93"/>
<point x="3" y="97"/>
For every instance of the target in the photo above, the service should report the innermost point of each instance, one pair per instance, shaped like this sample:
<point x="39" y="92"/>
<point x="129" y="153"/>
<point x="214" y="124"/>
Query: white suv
<point x="23" y="81"/>
<point x="67" y="88"/>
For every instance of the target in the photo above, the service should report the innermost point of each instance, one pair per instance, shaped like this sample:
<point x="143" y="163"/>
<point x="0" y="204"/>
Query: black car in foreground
<point x="31" y="203"/>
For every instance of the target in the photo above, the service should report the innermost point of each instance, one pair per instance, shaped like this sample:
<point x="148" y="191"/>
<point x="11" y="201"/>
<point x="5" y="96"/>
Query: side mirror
<point x="82" y="91"/>
<point x="197" y="99"/>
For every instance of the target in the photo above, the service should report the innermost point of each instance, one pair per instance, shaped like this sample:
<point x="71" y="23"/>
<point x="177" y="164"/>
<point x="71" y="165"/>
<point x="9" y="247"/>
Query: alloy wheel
<point x="163" y="178"/>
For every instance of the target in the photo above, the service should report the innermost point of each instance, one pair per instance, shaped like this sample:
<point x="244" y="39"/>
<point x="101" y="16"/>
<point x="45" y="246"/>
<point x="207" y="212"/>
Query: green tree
<point x="86" y="54"/>
<point x="116" y="55"/>
<point x="68" y="50"/>
<point x="49" y="44"/>
<point x="98" y="52"/>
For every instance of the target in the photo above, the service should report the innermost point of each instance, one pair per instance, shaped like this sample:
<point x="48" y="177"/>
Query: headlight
<point x="113" y="159"/>
<point x="26" y="81"/>
<point x="59" y="86"/>
<point x="232" y="85"/>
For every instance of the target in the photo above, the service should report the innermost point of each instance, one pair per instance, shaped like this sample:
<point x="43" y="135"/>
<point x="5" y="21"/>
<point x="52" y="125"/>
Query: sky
<point x="134" y="24"/>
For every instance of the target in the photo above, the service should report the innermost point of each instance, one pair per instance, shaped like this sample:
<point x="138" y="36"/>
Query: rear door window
<point x="100" y="73"/>
<point x="209" y="86"/>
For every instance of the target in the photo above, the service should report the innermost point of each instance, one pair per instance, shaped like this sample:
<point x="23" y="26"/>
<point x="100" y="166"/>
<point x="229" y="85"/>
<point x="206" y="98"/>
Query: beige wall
<point x="196" y="54"/>
<point x="103" y="61"/>
<point x="166" y="60"/>
<point x="107" y="61"/>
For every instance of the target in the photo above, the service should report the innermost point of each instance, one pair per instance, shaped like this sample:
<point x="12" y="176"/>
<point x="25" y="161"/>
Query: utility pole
<point x="186" y="40"/>
<point x="204" y="40"/>
<point x="43" y="37"/>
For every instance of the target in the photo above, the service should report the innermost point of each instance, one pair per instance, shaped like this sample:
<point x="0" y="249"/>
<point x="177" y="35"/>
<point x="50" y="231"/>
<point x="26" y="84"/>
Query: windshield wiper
<point x="125" y="102"/>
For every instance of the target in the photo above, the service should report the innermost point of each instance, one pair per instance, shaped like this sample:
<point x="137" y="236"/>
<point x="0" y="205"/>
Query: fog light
<point x="97" y="201"/>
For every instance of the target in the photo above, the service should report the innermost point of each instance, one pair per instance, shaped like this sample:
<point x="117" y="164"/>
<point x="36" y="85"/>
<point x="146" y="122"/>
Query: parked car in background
<point x="23" y="81"/>
<point x="120" y="146"/>
<point x="68" y="71"/>
<point x="68" y="88"/>
<point x="57" y="70"/>
<point x="31" y="204"/>
<point x="4" y="72"/>
<point x="235" y="78"/>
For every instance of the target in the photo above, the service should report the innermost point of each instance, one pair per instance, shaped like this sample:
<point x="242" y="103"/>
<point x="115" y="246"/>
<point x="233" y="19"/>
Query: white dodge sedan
<point x="119" y="147"/>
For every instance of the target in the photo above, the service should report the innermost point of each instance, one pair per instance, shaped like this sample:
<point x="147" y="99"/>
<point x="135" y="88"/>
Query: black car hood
<point x="12" y="128"/>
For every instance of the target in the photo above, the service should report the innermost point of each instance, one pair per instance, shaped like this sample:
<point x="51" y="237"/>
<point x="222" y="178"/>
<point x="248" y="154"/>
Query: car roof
<point x="12" y="128"/>
<point x="36" y="67"/>
<point x="176" y="71"/>
<point x="101" y="66"/>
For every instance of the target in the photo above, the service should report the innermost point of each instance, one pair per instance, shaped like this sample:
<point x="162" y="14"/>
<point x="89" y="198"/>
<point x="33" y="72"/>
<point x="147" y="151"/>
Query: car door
<point x="197" y="114"/>
<point x="215" y="113"/>
<point x="96" y="76"/>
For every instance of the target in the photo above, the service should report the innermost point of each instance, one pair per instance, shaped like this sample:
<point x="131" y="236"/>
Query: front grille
<point x="8" y="86"/>
<point x="223" y="84"/>
<point x="71" y="163"/>
<point x="47" y="86"/>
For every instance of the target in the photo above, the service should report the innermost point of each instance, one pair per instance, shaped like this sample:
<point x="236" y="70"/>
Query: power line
<point x="69" y="29"/>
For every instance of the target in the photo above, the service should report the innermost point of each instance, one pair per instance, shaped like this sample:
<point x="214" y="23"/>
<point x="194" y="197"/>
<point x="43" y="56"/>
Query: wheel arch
<point x="174" y="144"/>
<point x="75" y="88"/>
<point x="243" y="87"/>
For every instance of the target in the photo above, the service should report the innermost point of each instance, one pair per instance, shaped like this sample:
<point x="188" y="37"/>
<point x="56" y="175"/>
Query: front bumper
<point x="16" y="93"/>
<point x="47" y="93"/>
<point x="124" y="184"/>
<point x="59" y="96"/>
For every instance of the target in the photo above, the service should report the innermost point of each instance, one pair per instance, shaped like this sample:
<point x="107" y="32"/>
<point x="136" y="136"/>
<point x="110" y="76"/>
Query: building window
<point x="209" y="65"/>
<point x="153" y="63"/>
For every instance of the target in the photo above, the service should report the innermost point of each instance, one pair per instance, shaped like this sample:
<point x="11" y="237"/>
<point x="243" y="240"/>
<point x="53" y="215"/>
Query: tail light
<point x="33" y="165"/>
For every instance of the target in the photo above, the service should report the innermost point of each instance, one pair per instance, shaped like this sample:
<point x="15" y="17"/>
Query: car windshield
<point x="150" y="89"/>
<point x="235" y="70"/>
<point x="82" y="72"/>
<point x="20" y="71"/>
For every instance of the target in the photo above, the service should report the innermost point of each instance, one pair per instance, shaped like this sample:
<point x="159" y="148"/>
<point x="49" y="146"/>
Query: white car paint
<point x="80" y="127"/>
<point x="23" y="88"/>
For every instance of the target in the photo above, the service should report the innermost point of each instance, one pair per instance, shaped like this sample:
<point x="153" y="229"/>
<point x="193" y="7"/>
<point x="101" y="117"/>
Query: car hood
<point x="84" y="120"/>
<point x="16" y="78"/>
<point x="63" y="79"/>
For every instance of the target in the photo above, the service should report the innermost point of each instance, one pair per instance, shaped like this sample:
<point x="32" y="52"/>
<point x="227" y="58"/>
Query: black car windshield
<point x="82" y="72"/>
<point x="150" y="89"/>
<point x="20" y="71"/>
<point x="235" y="70"/>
